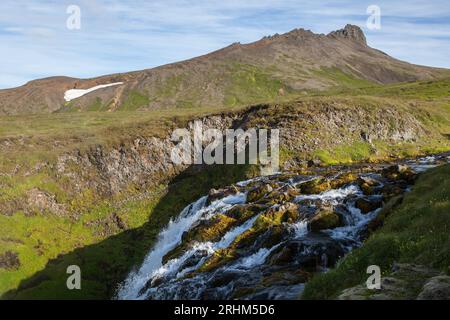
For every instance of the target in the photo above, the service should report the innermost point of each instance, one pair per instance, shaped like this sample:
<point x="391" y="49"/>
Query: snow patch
<point x="76" y="93"/>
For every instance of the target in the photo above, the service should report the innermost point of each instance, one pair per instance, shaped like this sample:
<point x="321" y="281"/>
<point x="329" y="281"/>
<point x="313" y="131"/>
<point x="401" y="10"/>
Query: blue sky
<point x="120" y="36"/>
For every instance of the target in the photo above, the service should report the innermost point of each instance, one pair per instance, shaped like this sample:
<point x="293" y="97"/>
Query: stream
<point x="265" y="237"/>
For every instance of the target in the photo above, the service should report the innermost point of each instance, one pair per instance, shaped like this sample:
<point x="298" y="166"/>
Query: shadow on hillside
<point x="105" y="264"/>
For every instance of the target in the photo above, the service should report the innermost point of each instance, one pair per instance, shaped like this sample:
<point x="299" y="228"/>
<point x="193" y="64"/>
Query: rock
<point x="244" y="212"/>
<point x="437" y="288"/>
<point x="350" y="32"/>
<point x="43" y="201"/>
<point x="9" y="261"/>
<point x="221" y="193"/>
<point x="277" y="215"/>
<point x="378" y="221"/>
<point x="392" y="190"/>
<point x="310" y="253"/>
<point x="368" y="205"/>
<point x="368" y="185"/>
<point x="343" y="180"/>
<point x="399" y="172"/>
<point x="285" y="277"/>
<point x="207" y="230"/>
<point x="259" y="192"/>
<point x="314" y="163"/>
<point x="404" y="282"/>
<point x="315" y="186"/>
<point x="324" y="219"/>
<point x="218" y="259"/>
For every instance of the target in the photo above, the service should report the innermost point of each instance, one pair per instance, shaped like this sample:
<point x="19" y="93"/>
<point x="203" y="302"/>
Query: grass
<point x="134" y="101"/>
<point x="250" y="84"/>
<point x="342" y="79"/>
<point x="415" y="232"/>
<point x="47" y="244"/>
<point x="356" y="152"/>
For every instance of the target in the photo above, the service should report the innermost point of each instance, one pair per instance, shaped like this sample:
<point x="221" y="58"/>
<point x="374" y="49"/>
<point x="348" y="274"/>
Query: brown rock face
<point x="350" y="32"/>
<point x="9" y="261"/>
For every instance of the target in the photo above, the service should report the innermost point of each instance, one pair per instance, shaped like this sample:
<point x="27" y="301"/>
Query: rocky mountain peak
<point x="351" y="32"/>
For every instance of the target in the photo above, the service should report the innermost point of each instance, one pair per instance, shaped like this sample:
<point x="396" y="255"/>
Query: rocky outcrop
<point x="405" y="282"/>
<point x="350" y="32"/>
<point x="9" y="261"/>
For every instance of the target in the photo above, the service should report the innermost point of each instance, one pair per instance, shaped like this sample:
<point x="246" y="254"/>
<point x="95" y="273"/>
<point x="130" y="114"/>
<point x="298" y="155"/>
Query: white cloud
<point x="118" y="36"/>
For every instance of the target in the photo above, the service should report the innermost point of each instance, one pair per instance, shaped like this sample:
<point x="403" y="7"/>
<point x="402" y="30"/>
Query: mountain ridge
<point x="238" y="74"/>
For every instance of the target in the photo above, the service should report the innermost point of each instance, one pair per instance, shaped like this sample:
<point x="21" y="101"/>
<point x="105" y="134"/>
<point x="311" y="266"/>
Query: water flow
<point x="266" y="257"/>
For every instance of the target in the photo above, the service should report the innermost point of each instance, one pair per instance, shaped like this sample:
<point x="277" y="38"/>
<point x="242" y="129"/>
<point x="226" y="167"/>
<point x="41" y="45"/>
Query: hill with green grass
<point x="274" y="68"/>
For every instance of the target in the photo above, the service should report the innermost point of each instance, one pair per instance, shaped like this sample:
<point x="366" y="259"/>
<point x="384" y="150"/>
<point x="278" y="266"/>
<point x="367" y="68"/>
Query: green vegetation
<point x="419" y="90"/>
<point x="250" y="84"/>
<point x="95" y="241"/>
<point x="356" y="152"/>
<point x="415" y="232"/>
<point x="343" y="80"/>
<point x="134" y="101"/>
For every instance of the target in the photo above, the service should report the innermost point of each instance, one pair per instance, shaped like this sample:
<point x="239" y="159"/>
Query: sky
<point x="121" y="36"/>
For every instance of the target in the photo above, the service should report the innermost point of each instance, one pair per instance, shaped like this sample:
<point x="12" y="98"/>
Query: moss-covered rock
<point x="343" y="179"/>
<point x="315" y="186"/>
<point x="368" y="205"/>
<point x="221" y="193"/>
<point x="208" y="230"/>
<point x="219" y="258"/>
<point x="325" y="219"/>
<point x="245" y="212"/>
<point x="258" y="192"/>
<point x="368" y="185"/>
<point x="399" y="172"/>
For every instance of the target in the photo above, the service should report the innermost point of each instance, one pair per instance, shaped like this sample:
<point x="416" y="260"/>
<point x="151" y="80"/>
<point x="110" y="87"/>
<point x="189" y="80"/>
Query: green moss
<point x="358" y="151"/>
<point x="415" y="232"/>
<point x="134" y="101"/>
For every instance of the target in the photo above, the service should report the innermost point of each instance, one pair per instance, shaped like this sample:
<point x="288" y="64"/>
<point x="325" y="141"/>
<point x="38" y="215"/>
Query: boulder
<point x="343" y="180"/>
<point x="207" y="230"/>
<point x="324" y="219"/>
<point x="258" y="192"/>
<point x="315" y="186"/>
<point x="399" y="172"/>
<point x="436" y="288"/>
<point x="368" y="205"/>
<point x="368" y="185"/>
<point x="221" y="193"/>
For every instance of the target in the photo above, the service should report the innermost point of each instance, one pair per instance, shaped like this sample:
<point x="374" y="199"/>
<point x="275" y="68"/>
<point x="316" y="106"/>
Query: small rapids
<point x="264" y="238"/>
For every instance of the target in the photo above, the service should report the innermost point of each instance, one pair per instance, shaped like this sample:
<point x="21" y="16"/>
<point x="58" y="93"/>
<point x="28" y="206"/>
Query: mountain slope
<point x="236" y="75"/>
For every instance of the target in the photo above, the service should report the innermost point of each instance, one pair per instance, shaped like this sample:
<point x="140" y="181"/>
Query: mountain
<point x="239" y="74"/>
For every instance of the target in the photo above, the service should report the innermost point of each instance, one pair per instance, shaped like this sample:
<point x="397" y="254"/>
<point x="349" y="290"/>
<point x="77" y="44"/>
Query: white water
<point x="175" y="285"/>
<point x="332" y="196"/>
<point x="256" y="259"/>
<point x="170" y="237"/>
<point x="77" y="93"/>
<point x="299" y="228"/>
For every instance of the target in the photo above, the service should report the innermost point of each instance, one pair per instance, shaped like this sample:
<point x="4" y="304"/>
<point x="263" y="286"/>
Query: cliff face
<point x="306" y="129"/>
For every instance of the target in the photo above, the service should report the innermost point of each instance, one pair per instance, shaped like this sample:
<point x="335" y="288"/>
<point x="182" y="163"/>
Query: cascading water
<point x="266" y="238"/>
